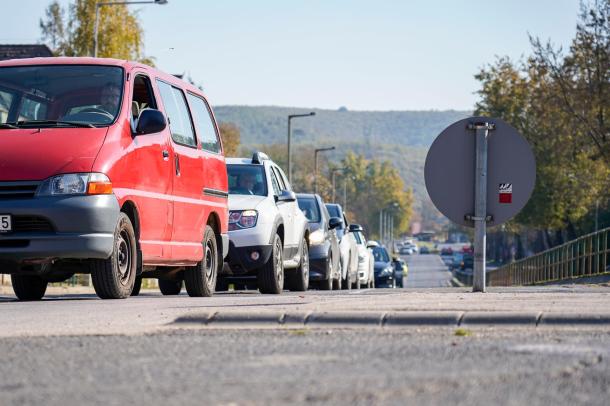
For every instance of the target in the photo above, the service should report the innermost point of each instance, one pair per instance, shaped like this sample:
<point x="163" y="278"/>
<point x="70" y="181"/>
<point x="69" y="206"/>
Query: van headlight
<point x="317" y="237"/>
<point x="386" y="271"/>
<point x="75" y="184"/>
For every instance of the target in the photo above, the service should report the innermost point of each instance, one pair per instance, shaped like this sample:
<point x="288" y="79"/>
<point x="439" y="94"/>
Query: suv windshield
<point x="310" y="209"/>
<point x="59" y="95"/>
<point x="247" y="180"/>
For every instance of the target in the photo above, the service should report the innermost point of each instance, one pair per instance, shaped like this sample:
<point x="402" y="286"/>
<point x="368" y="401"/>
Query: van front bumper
<point x="67" y="227"/>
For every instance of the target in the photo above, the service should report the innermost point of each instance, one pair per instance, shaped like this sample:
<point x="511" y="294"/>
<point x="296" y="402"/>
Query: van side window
<point x="280" y="181"/>
<point x="143" y="97"/>
<point x="178" y="115"/>
<point x="206" y="130"/>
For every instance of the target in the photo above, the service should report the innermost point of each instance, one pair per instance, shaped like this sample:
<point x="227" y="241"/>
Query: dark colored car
<point x="424" y="250"/>
<point x="400" y="271"/>
<point x="384" y="270"/>
<point x="324" y="253"/>
<point x="467" y="262"/>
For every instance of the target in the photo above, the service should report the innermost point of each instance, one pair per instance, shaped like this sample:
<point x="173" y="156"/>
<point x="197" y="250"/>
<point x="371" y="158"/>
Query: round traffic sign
<point x="450" y="171"/>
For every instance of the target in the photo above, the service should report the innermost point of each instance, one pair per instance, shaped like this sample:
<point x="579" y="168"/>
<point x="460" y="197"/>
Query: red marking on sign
<point x="506" y="197"/>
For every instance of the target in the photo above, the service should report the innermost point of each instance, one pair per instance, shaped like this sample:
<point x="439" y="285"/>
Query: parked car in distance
<point x="112" y="168"/>
<point x="268" y="233"/>
<point x="457" y="260"/>
<point x="324" y="253"/>
<point x="424" y="250"/>
<point x="406" y="250"/>
<point x="366" y="262"/>
<point x="348" y="248"/>
<point x="446" y="251"/>
<point x="467" y="262"/>
<point x="384" y="270"/>
<point x="401" y="271"/>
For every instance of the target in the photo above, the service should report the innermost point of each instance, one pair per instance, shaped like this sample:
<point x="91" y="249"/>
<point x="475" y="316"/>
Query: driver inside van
<point x="246" y="183"/>
<point x="110" y="96"/>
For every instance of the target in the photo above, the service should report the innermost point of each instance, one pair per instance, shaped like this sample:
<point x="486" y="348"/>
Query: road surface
<point x="73" y="349"/>
<point x="427" y="271"/>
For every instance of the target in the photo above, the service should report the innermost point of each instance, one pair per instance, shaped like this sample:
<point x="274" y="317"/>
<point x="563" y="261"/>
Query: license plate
<point x="5" y="223"/>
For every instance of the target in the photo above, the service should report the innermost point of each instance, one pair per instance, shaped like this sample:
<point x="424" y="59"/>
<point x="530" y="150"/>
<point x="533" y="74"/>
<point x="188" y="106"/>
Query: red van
<point x="111" y="168"/>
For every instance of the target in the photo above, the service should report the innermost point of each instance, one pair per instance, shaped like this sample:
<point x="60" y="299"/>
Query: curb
<point x="390" y="319"/>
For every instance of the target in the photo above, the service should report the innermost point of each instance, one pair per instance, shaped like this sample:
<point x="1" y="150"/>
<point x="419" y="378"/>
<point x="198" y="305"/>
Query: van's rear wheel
<point x="137" y="285"/>
<point x="28" y="287"/>
<point x="114" y="278"/>
<point x="200" y="280"/>
<point x="170" y="287"/>
<point x="271" y="275"/>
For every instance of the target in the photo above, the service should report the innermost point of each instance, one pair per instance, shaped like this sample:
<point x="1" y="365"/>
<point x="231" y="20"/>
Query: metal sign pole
<point x="480" y="205"/>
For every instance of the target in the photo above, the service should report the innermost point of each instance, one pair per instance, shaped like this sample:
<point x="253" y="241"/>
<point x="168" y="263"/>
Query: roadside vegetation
<point x="560" y="101"/>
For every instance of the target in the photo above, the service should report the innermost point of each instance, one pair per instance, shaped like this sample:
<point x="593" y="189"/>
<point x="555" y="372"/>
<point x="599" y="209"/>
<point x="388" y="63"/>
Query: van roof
<point x="125" y="64"/>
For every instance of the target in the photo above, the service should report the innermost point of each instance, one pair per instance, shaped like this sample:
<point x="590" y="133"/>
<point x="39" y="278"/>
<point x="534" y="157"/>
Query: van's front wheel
<point x="114" y="278"/>
<point x="200" y="280"/>
<point x="28" y="287"/>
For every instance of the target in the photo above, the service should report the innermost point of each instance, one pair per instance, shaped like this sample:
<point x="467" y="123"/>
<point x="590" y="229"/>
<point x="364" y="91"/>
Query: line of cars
<point x="280" y="239"/>
<point x="116" y="169"/>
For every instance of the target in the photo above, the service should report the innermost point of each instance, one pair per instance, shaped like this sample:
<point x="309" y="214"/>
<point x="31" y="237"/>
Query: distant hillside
<point x="402" y="137"/>
<point x="268" y="124"/>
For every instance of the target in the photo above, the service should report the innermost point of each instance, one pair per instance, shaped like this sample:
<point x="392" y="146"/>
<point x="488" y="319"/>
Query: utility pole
<point x="333" y="171"/>
<point x="290" y="117"/>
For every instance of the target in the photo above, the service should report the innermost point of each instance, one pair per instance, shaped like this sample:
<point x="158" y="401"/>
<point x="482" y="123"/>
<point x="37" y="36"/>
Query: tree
<point x="230" y="135"/>
<point x="119" y="34"/>
<point x="561" y="105"/>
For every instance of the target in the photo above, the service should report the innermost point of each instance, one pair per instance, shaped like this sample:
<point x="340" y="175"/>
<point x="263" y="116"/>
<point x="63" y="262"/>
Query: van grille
<point x="18" y="190"/>
<point x="29" y="224"/>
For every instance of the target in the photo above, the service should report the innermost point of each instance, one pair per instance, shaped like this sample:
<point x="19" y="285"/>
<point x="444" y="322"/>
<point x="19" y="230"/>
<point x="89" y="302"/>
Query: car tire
<point x="114" y="277"/>
<point x="298" y="280"/>
<point x="137" y="285"/>
<point x="271" y="275"/>
<point x="169" y="288"/>
<point x="221" y="284"/>
<point x="346" y="284"/>
<point x="327" y="284"/>
<point x="200" y="280"/>
<point x="29" y="287"/>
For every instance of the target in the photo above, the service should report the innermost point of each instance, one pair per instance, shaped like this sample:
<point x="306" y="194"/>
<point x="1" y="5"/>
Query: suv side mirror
<point x="334" y="222"/>
<point x="354" y="228"/>
<point x="286" y="196"/>
<point x="150" y="121"/>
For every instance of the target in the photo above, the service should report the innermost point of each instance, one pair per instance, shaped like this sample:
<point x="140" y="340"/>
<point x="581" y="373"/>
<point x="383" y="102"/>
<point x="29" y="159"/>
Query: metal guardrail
<point x="585" y="256"/>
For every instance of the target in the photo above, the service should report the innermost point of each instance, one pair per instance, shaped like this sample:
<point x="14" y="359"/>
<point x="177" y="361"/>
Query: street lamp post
<point x="114" y="3"/>
<point x="290" y="117"/>
<point x="315" y="159"/>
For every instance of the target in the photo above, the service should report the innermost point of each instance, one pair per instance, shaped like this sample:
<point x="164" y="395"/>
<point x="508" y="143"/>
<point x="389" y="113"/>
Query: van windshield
<point x="59" y="95"/>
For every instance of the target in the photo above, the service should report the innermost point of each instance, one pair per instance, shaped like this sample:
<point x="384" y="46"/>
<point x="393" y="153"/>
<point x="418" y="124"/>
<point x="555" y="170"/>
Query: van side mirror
<point x="286" y="196"/>
<point x="354" y="228"/>
<point x="334" y="222"/>
<point x="150" y="121"/>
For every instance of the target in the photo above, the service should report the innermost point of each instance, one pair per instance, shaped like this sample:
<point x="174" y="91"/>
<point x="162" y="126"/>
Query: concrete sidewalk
<point x="74" y="314"/>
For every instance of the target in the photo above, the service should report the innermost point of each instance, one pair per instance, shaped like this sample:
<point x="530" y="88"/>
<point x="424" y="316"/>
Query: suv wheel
<point x="28" y="287"/>
<point x="271" y="275"/>
<point x="113" y="278"/>
<point x="168" y="287"/>
<point x="200" y="280"/>
<point x="347" y="282"/>
<point x="298" y="280"/>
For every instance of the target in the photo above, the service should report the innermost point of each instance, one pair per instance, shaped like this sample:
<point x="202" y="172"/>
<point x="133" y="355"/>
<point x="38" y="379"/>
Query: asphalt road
<point x="427" y="271"/>
<point x="331" y="366"/>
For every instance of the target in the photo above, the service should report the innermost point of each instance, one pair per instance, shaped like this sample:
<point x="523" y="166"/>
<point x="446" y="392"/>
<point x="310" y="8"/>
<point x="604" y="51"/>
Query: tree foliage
<point x="561" y="104"/>
<point x="230" y="135"/>
<point x="71" y="33"/>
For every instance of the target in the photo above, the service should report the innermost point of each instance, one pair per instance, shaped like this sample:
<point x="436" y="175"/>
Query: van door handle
<point x="177" y="163"/>
<point x="165" y="155"/>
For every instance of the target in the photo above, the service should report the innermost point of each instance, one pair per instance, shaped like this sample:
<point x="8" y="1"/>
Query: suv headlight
<point x="76" y="184"/>
<point x="317" y="237"/>
<point x="386" y="271"/>
<point x="240" y="219"/>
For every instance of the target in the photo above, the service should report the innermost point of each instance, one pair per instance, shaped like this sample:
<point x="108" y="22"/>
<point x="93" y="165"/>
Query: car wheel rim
<point x="278" y="263"/>
<point x="124" y="260"/>
<point x="210" y="261"/>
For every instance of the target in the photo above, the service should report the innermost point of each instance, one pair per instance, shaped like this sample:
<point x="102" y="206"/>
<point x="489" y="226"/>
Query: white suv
<point x="268" y="233"/>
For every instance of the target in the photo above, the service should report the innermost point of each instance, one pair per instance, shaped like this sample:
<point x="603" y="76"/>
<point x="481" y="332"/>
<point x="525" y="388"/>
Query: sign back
<point x="450" y="172"/>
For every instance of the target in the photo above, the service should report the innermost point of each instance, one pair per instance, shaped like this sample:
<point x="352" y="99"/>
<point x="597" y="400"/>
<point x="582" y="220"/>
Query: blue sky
<point x="365" y="55"/>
